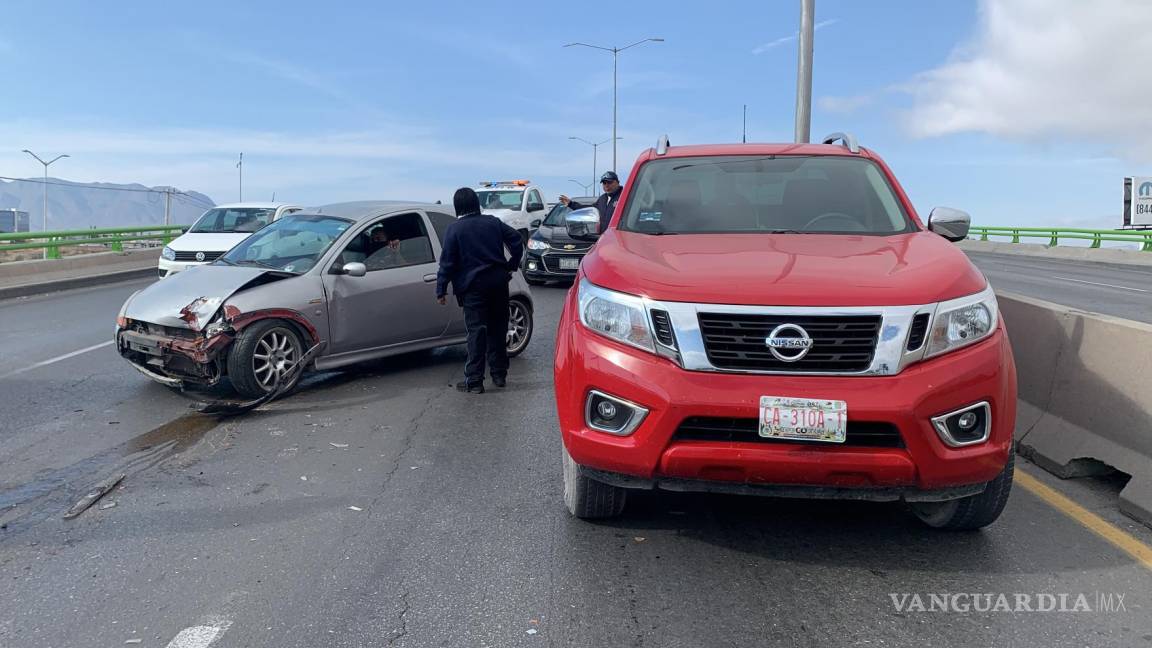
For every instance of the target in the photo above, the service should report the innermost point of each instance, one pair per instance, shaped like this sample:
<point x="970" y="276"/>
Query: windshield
<point x="500" y="199"/>
<point x="293" y="244"/>
<point x="229" y="220"/>
<point x="771" y="194"/>
<point x="555" y="218"/>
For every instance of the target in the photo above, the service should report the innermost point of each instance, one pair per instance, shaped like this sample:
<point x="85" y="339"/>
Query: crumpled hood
<point x="784" y="269"/>
<point x="190" y="299"/>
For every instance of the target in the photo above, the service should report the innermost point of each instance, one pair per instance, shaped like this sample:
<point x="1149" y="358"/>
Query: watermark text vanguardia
<point x="1014" y="603"/>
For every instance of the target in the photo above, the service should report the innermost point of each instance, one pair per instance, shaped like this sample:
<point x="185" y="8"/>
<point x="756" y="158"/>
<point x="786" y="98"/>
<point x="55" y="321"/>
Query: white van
<point x="216" y="231"/>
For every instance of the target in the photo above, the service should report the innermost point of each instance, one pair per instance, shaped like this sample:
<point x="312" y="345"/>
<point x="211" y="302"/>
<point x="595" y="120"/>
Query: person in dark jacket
<point x="606" y="203"/>
<point x="474" y="262"/>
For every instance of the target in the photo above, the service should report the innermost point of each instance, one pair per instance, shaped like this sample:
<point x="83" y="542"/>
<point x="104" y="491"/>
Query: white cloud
<point x="788" y="39"/>
<point x="1042" y="69"/>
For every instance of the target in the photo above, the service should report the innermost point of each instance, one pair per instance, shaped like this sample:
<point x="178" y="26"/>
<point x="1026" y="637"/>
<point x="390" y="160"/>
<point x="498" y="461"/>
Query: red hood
<point x="784" y="269"/>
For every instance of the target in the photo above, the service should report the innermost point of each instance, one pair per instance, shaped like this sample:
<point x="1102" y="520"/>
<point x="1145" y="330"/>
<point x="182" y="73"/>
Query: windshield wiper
<point x="262" y="265"/>
<point x="786" y="231"/>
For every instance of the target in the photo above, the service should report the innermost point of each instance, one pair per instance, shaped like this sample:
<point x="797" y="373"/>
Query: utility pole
<point x="45" y="188"/>
<point x="615" y="51"/>
<point x="595" y="146"/>
<point x="744" y="138"/>
<point x="168" y="205"/>
<point x="804" y="72"/>
<point x="240" y="165"/>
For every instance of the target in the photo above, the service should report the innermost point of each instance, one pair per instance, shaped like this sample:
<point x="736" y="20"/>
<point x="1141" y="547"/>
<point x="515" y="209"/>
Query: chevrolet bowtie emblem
<point x="569" y="247"/>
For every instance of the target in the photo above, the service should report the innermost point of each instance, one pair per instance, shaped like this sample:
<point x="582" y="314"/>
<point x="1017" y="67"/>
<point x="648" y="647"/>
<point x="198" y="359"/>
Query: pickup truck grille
<point x="840" y="343"/>
<point x="191" y="256"/>
<point x="860" y="434"/>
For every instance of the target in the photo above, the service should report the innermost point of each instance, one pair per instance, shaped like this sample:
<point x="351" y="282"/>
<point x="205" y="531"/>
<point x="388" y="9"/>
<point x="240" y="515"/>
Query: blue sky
<point x="1005" y="108"/>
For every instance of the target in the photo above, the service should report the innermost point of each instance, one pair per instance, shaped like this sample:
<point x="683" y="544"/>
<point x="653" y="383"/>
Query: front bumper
<point x="174" y="360"/>
<point x="923" y="468"/>
<point x="167" y="267"/>
<point x="545" y="265"/>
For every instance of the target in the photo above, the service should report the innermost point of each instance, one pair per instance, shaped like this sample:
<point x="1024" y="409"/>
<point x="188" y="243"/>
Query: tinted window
<point x="817" y="194"/>
<point x="501" y="199"/>
<point x="393" y="242"/>
<point x="555" y="218"/>
<point x="233" y="220"/>
<point x="440" y="223"/>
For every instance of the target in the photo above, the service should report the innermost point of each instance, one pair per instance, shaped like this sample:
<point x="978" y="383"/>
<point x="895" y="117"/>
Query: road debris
<point x="283" y="384"/>
<point x="355" y="508"/>
<point x="107" y="505"/>
<point x="531" y="631"/>
<point x="98" y="491"/>
<point x="338" y="445"/>
<point x="303" y="477"/>
<point x="639" y="539"/>
<point x="134" y="641"/>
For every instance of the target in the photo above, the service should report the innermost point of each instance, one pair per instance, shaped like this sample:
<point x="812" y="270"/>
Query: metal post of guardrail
<point x="1147" y="243"/>
<point x="52" y="250"/>
<point x="1015" y="236"/>
<point x="117" y="244"/>
<point x="1055" y="240"/>
<point x="983" y="235"/>
<point x="1095" y="240"/>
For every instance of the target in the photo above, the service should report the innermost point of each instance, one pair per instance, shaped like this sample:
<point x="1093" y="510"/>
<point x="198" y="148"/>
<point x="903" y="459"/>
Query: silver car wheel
<point x="519" y="326"/>
<point x="275" y="355"/>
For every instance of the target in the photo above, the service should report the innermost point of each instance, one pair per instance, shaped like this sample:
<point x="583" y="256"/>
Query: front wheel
<point x="972" y="512"/>
<point x="519" y="327"/>
<point x="264" y="354"/>
<point x="587" y="498"/>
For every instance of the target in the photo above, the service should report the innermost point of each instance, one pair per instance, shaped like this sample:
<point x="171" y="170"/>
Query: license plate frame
<point x="789" y="418"/>
<point x="569" y="263"/>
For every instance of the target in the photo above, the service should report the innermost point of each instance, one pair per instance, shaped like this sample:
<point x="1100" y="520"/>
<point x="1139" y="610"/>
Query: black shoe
<point x="471" y="388"/>
<point x="500" y="382"/>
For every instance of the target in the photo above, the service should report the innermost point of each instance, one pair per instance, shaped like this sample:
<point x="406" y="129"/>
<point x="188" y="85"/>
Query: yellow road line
<point x="1094" y="523"/>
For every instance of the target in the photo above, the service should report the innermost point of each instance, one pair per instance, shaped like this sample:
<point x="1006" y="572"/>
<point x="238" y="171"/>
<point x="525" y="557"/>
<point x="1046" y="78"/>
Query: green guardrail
<point x="1143" y="238"/>
<point x="113" y="237"/>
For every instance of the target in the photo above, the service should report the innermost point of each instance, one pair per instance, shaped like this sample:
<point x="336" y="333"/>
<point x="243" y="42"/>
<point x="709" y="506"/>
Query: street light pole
<point x="595" y="146"/>
<point x="585" y="188"/>
<point x="804" y="72"/>
<point x="615" y="54"/>
<point x="240" y="165"/>
<point x="46" y="164"/>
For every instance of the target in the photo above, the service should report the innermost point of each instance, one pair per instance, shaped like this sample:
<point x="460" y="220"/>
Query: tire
<point x="261" y="353"/>
<point x="519" y="327"/>
<point x="587" y="498"/>
<point x="972" y="512"/>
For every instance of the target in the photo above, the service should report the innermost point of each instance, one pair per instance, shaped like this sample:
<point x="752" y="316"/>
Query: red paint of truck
<point x="780" y="270"/>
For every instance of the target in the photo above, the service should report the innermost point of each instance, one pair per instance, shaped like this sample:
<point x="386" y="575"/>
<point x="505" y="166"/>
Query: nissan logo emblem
<point x="788" y="342"/>
<point x="199" y="256"/>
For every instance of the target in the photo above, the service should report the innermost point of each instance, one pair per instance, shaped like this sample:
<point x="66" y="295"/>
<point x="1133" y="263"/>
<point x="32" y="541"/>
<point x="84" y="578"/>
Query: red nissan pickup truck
<point x="775" y="319"/>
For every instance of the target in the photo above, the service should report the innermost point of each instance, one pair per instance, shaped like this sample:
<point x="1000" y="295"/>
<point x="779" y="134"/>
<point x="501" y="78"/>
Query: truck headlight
<point x="615" y="315"/>
<point x="168" y="253"/>
<point x="963" y="321"/>
<point x="537" y="244"/>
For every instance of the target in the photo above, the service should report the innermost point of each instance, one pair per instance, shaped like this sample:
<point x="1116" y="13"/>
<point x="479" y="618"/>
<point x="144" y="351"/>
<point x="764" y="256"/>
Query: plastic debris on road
<point x="355" y="508"/>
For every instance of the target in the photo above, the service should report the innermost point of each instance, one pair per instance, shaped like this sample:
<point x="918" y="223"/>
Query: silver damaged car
<point x="354" y="281"/>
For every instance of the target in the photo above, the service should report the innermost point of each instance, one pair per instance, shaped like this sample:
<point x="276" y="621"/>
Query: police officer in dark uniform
<point x="474" y="262"/>
<point x="606" y="203"/>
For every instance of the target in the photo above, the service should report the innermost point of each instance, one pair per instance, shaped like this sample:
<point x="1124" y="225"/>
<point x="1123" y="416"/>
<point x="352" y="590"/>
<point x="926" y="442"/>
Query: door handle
<point x="429" y="278"/>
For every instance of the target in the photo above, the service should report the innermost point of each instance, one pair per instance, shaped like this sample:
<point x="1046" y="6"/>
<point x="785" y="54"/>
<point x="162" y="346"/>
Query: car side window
<point x="535" y="202"/>
<point x="440" y="223"/>
<point x="392" y="242"/>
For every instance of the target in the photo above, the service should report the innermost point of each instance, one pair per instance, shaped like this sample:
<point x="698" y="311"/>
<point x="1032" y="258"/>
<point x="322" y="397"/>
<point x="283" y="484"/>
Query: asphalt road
<point x="1117" y="290"/>
<point x="242" y="531"/>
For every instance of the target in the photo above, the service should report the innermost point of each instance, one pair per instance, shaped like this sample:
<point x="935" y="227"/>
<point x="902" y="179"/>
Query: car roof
<point x="695" y="150"/>
<point x="254" y="205"/>
<point x="367" y="209"/>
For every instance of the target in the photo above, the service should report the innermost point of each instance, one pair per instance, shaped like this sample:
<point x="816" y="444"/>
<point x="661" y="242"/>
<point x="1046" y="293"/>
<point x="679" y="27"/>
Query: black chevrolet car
<point x="552" y="255"/>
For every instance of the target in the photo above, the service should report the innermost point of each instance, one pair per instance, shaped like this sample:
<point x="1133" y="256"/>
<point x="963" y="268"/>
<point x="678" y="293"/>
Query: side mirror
<point x="583" y="223"/>
<point x="535" y="207"/>
<point x="950" y="223"/>
<point x="535" y="223"/>
<point x="354" y="269"/>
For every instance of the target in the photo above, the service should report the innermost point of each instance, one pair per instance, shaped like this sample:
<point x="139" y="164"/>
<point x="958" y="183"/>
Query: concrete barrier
<point x="26" y="278"/>
<point x="1085" y="385"/>
<point x="1072" y="253"/>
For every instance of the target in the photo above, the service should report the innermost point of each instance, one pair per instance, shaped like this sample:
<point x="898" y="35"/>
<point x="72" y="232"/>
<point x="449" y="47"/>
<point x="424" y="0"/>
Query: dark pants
<point x="486" y="316"/>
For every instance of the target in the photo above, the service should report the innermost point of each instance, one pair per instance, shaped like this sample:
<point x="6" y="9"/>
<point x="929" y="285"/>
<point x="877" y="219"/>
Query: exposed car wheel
<point x="519" y="327"/>
<point x="261" y="355"/>
<point x="973" y="512"/>
<point x="587" y="498"/>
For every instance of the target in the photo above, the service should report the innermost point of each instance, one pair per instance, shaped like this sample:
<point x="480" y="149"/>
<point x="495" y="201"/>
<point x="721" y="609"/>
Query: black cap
<point x="609" y="175"/>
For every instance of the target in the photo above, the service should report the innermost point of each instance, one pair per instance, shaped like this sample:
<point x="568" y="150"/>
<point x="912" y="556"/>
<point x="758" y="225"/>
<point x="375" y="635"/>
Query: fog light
<point x="531" y="265"/>
<point x="965" y="427"/>
<point x="613" y="415"/>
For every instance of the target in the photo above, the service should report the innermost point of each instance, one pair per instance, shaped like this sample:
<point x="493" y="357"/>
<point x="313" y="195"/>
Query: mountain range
<point x="78" y="205"/>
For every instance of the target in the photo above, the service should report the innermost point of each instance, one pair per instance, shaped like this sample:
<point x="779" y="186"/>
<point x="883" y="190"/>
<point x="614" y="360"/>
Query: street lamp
<point x="45" y="187"/>
<point x="615" y="54"/>
<point x="587" y="189"/>
<point x="595" y="146"/>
